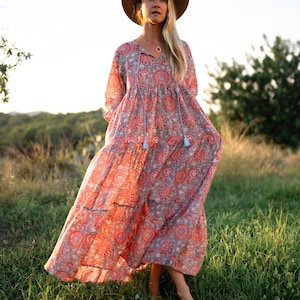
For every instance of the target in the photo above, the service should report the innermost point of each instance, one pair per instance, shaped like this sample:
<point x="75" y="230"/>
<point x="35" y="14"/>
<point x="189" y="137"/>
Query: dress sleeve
<point x="190" y="77"/>
<point x="115" y="89"/>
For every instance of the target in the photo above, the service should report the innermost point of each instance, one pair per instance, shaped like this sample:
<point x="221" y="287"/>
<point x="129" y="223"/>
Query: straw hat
<point x="129" y="8"/>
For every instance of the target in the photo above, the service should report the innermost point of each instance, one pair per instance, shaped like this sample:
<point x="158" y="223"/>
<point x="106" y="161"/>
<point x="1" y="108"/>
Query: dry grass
<point x="244" y="156"/>
<point x="38" y="168"/>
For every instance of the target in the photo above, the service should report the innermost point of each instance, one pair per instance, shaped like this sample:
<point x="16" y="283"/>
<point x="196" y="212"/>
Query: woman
<point x="141" y="200"/>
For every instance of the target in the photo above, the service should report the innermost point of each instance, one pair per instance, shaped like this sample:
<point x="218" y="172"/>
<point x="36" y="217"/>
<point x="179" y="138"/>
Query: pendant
<point x="158" y="49"/>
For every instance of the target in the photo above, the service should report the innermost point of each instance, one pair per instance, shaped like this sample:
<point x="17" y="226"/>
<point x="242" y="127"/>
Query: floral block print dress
<point x="142" y="198"/>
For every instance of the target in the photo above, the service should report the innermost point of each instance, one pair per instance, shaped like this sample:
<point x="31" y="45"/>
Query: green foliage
<point x="58" y="129"/>
<point x="264" y="94"/>
<point x="11" y="58"/>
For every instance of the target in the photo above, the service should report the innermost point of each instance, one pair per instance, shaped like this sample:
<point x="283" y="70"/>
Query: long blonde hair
<point x="175" y="49"/>
<point x="174" y="46"/>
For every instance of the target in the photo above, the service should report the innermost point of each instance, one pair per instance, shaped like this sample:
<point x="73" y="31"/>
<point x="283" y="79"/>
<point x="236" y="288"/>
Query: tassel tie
<point x="186" y="141"/>
<point x="145" y="145"/>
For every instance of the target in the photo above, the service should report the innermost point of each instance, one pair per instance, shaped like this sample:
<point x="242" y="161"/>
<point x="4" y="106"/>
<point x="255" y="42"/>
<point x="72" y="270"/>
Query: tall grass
<point x="253" y="214"/>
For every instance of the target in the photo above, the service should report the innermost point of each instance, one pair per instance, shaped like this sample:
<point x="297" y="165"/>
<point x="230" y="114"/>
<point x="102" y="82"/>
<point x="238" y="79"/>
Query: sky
<point x="73" y="42"/>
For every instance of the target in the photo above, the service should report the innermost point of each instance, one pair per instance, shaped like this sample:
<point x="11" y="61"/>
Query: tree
<point x="264" y="94"/>
<point x="11" y="58"/>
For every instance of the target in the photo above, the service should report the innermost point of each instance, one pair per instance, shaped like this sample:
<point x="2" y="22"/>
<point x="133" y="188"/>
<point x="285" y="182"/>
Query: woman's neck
<point x="152" y="33"/>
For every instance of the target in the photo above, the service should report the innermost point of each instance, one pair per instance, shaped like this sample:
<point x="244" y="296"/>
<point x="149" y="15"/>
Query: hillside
<point x="20" y="129"/>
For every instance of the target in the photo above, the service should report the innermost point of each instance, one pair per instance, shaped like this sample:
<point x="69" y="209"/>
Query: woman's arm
<point x="190" y="78"/>
<point x="115" y="89"/>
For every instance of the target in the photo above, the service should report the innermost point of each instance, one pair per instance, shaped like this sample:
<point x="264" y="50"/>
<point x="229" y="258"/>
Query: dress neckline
<point x="162" y="54"/>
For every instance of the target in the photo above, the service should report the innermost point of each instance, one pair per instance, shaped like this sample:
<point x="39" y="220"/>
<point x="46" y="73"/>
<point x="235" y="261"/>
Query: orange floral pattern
<point x="136" y="206"/>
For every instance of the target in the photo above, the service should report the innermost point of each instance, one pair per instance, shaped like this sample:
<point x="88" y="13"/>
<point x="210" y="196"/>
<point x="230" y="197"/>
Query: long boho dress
<point x="142" y="198"/>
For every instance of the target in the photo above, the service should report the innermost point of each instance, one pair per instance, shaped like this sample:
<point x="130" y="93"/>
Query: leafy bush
<point x="264" y="94"/>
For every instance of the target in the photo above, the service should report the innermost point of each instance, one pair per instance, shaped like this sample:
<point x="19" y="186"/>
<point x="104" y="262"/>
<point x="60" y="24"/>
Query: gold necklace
<point x="157" y="49"/>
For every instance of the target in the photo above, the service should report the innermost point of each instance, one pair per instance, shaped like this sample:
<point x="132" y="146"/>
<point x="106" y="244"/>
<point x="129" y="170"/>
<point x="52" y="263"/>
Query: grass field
<point x="253" y="213"/>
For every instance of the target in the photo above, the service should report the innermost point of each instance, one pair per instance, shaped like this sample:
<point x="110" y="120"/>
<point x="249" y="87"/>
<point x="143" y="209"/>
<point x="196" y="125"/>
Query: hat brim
<point x="129" y="8"/>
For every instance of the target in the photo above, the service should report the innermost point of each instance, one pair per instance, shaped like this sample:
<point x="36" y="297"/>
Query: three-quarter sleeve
<point x="190" y="77"/>
<point x="115" y="89"/>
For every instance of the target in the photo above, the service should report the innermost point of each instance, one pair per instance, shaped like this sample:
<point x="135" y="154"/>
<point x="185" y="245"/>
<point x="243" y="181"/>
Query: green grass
<point x="253" y="215"/>
<point x="254" y="250"/>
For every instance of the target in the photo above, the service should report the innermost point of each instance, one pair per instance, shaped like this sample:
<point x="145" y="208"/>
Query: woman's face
<point x="154" y="11"/>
